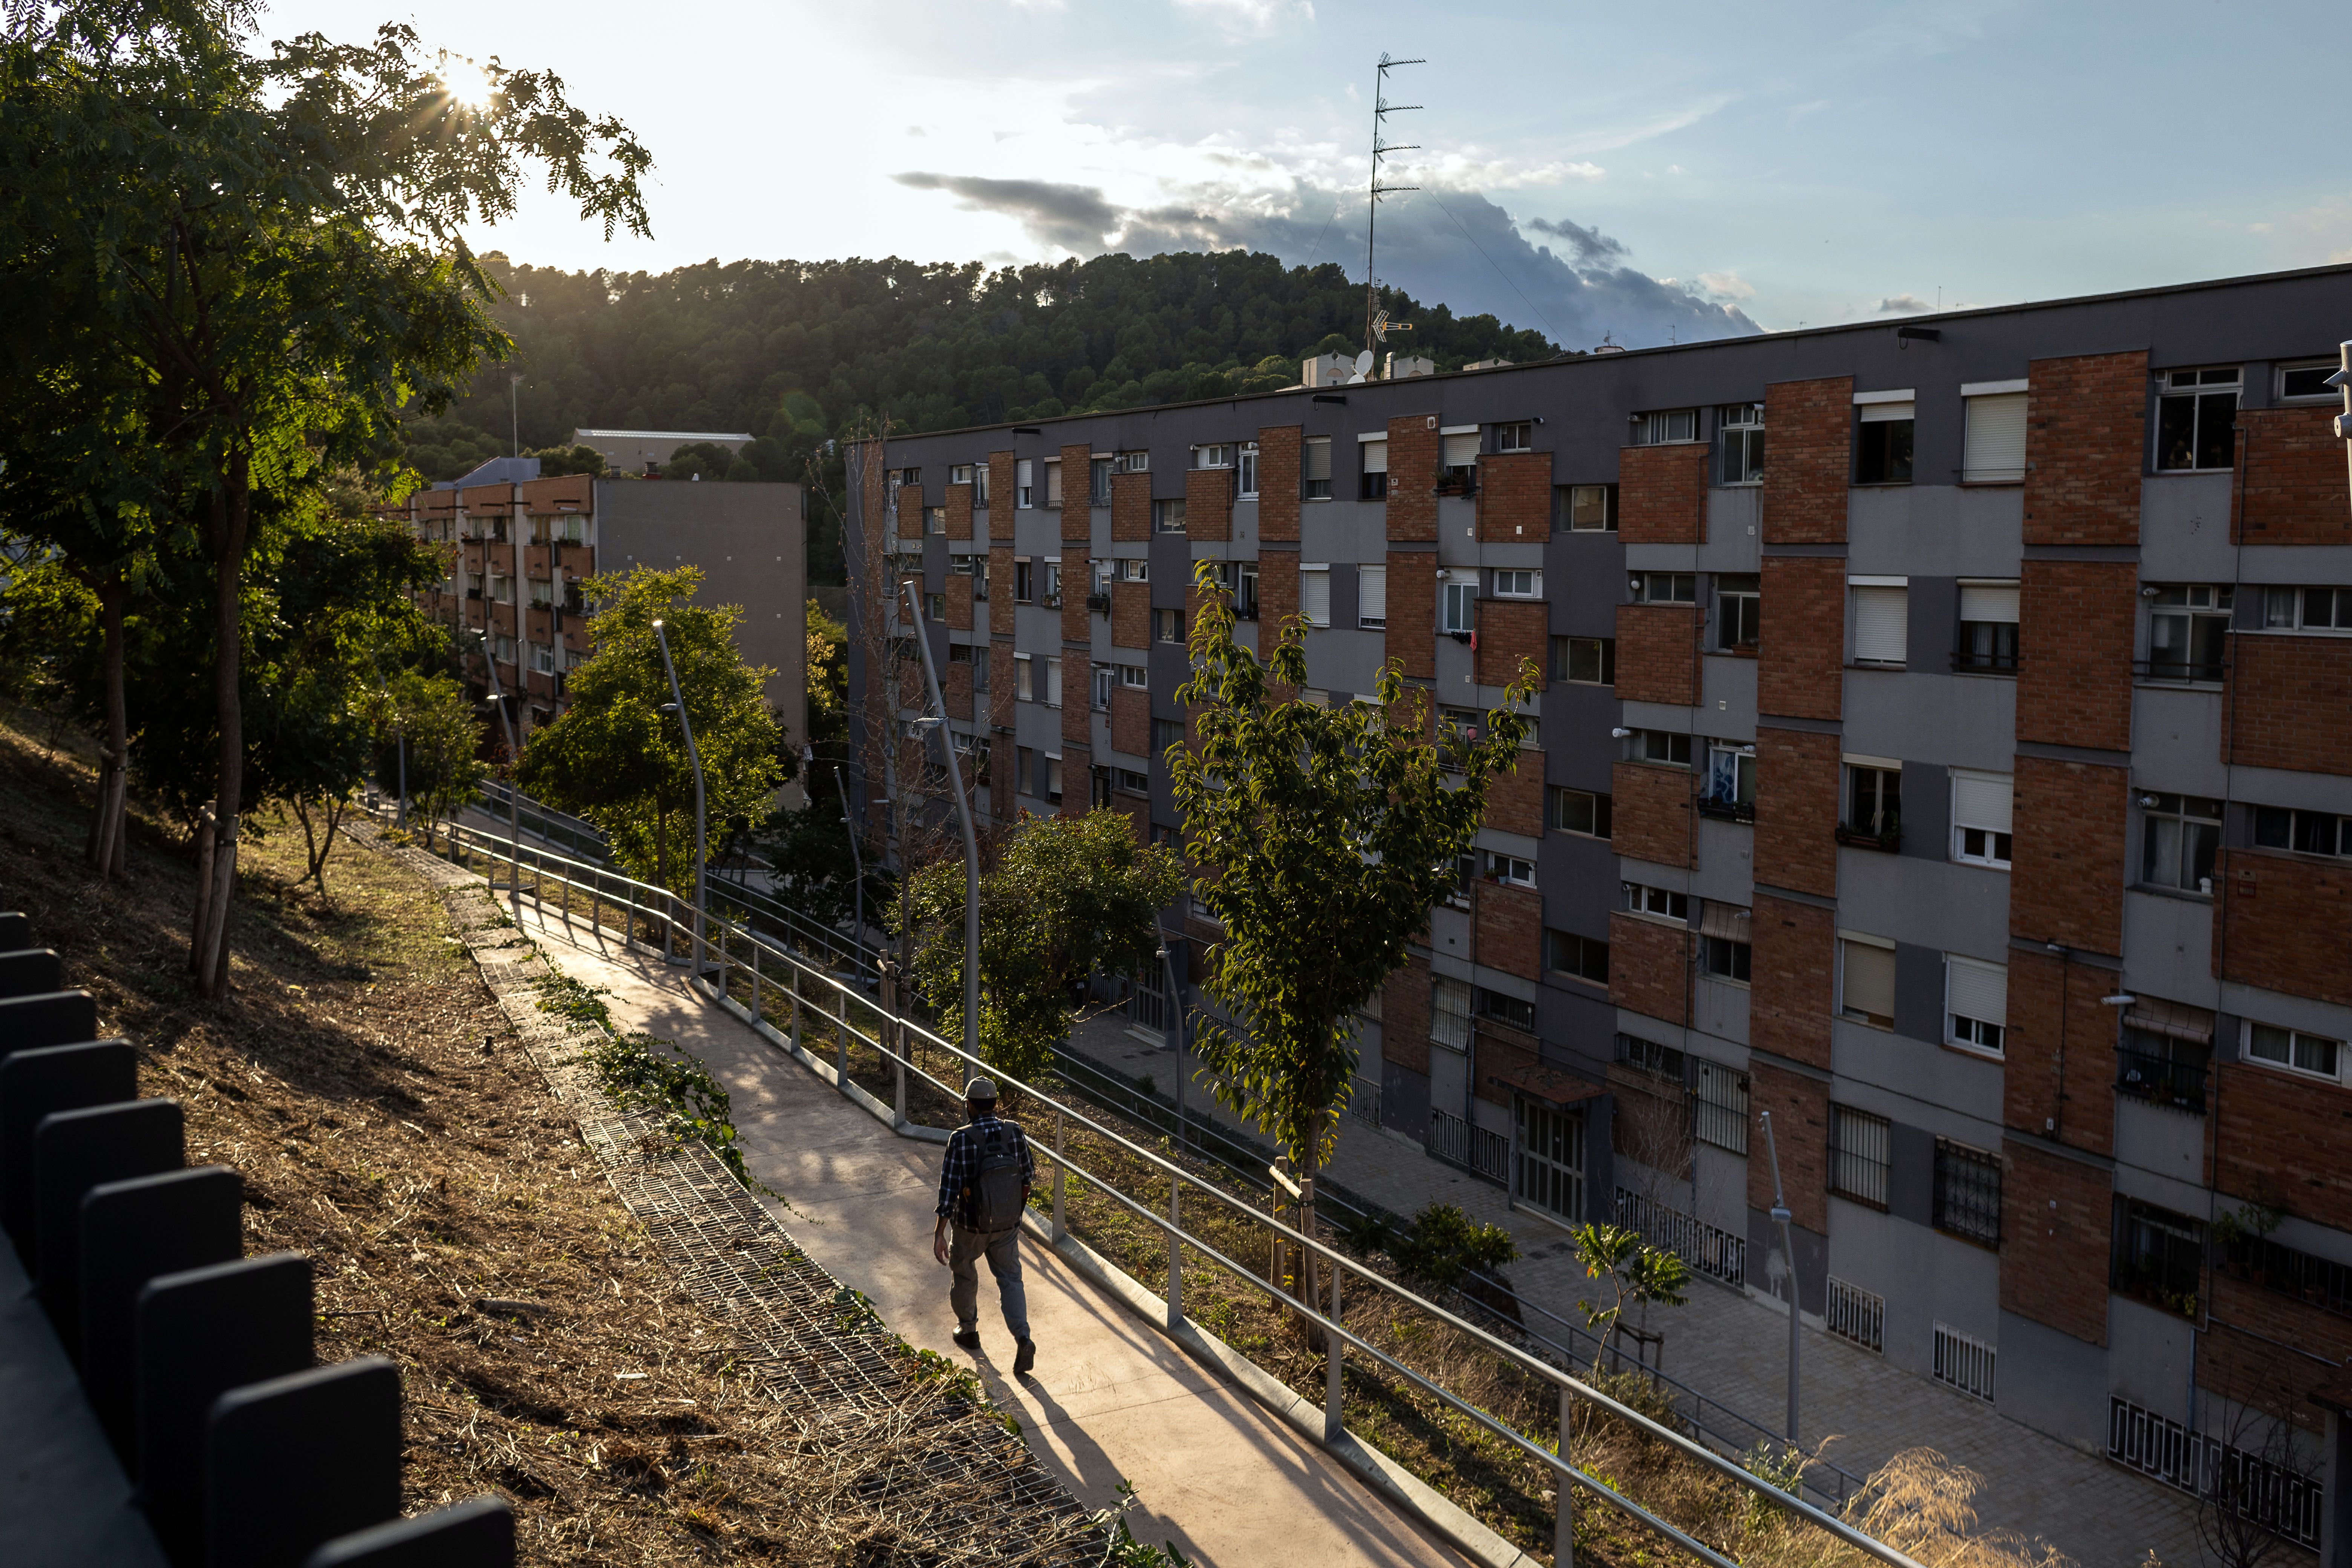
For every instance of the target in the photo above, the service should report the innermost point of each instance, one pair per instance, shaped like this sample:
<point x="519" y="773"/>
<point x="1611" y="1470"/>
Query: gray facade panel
<point x="1911" y="1175"/>
<point x="1927" y="810"/>
<point x="1941" y="530"/>
<point x="2053" y="1383"/>
<point x="1945" y="1092"/>
<point x="1728" y="697"/>
<point x="1584" y="578"/>
<point x="1941" y="905"/>
<point x="2161" y="1140"/>
<point x="2168" y="947"/>
<point x="1734" y="534"/>
<point x="1961" y="722"/>
<point x="1918" y="992"/>
<point x="2184" y="529"/>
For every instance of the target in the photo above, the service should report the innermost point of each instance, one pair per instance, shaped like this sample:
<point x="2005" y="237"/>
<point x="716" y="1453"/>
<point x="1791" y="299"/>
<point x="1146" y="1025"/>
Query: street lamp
<point x="1175" y="1020"/>
<point x="676" y="704"/>
<point x="1781" y="1218"/>
<point x="963" y="817"/>
<point x="856" y="862"/>
<point x="514" y="789"/>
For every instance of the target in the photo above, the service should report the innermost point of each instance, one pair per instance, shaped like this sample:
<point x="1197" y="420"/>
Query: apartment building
<point x="519" y="552"/>
<point x="1946" y="745"/>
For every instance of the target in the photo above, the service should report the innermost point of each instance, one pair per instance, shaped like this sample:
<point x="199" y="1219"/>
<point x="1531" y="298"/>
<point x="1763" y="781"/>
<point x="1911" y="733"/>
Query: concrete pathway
<point x="1111" y="1399"/>
<point x="1734" y="1348"/>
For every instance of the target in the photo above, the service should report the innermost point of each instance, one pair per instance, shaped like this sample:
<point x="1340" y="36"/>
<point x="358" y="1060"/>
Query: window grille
<point x="1859" y="1149"/>
<point x="1449" y="1013"/>
<point x="1856" y="1315"/>
<point x="2280" y="1499"/>
<point x="1967" y="1191"/>
<point x="1713" y="1251"/>
<point x="1721" y="1107"/>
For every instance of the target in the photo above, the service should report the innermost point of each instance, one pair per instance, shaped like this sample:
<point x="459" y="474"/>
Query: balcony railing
<point x="1986" y="663"/>
<point x="2161" y="1081"/>
<point x="1727" y="810"/>
<point x="1474" y="1148"/>
<point x="1890" y="840"/>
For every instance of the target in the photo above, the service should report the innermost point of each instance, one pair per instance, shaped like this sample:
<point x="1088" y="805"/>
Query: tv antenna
<point x="1376" y="323"/>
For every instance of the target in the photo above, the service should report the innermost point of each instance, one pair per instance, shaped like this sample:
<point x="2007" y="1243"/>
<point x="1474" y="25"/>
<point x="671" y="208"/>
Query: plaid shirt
<point x="962" y="1163"/>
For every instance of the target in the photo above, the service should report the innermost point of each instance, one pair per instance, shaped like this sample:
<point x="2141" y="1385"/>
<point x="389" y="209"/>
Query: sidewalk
<point x="1111" y="1399"/>
<point x="1735" y="1350"/>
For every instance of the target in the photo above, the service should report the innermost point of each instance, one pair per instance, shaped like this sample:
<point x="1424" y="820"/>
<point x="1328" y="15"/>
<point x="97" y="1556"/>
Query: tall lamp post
<point x="1175" y="1008"/>
<point x="963" y="817"/>
<point x="856" y="862"/>
<point x="676" y="704"/>
<point x="1781" y="1218"/>
<point x="514" y="792"/>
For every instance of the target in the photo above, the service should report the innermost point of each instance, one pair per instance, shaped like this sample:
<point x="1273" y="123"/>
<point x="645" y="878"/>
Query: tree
<point x="1066" y="897"/>
<point x="267" y="249"/>
<point x="1634" y="1271"/>
<point x="443" y="766"/>
<point x="1318" y="838"/>
<point x="617" y="759"/>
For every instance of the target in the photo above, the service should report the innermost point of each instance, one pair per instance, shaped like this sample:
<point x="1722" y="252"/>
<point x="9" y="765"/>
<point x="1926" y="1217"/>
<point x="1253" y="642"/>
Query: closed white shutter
<point x="1053" y="683"/>
<point x="1870" y="979"/>
<point x="1881" y="624"/>
<point x="1988" y="602"/>
<point x="1376" y="456"/>
<point x="1981" y="800"/>
<point x="1372" y="596"/>
<point x="1996" y="441"/>
<point x="1461" y="451"/>
<point x="1976" y="990"/>
<point x="1882" y="413"/>
<point x="1314" y="594"/>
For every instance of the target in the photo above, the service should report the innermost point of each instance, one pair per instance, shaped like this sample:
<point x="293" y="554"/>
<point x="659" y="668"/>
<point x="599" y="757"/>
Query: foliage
<point x="810" y="851"/>
<point x="828" y="685"/>
<point x="1445" y="1246"/>
<point x="1634" y="1271"/>
<point x="443" y="765"/>
<point x="1319" y="837"/>
<point x="641" y="1073"/>
<point x="1068" y="896"/>
<point x="617" y="760"/>
<point x="707" y="460"/>
<point x="556" y="461"/>
<point x="1123" y="1550"/>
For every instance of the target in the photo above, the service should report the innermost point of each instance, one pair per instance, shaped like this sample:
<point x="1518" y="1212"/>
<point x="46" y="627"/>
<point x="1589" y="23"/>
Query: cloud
<point x="1589" y="244"/>
<point x="1904" y="303"/>
<point x="1072" y="218"/>
<point x="1726" y="285"/>
<point x="1253" y="16"/>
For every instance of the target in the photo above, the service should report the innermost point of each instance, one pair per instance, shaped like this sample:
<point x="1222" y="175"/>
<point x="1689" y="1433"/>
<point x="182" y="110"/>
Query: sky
<point x="1638" y="174"/>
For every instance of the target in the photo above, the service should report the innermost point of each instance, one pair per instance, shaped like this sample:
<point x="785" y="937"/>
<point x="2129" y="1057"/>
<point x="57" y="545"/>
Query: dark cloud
<point x="1449" y="246"/>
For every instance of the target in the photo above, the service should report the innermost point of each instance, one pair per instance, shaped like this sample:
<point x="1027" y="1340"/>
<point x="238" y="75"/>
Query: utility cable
<point x="1555" y="332"/>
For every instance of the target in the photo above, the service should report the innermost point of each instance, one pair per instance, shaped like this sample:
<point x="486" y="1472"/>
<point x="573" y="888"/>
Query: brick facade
<point x="1130" y="614"/>
<point x="1130" y="508"/>
<point x="1404" y="1016"/>
<point x="1414" y="447"/>
<point x="1277" y="482"/>
<point x="1514" y="800"/>
<point x="2057" y="1220"/>
<point x="1801" y="645"/>
<point x="1078" y="547"/>
<point x="1649" y="967"/>
<point x="2075" y="620"/>
<point x="1514" y="496"/>
<point x="1501" y="1052"/>
<point x="1412" y="635"/>
<point x="2255" y="1366"/>
<point x="1001" y="693"/>
<point x="1796" y="793"/>
<point x="1208" y="505"/>
<point x="2085" y="447"/>
<point x="1800" y="1134"/>
<point x="1792" y="989"/>
<point x="2066" y="876"/>
<point x="1001" y="494"/>
<point x="1808" y="434"/>
<point x="2290" y="478"/>
<point x="1512" y="632"/>
<point x="2299" y="715"/>
<point x="959" y="606"/>
<point x="1652" y="813"/>
<point x="1657" y="653"/>
<point x="959" y="510"/>
<point x="1130" y="721"/>
<point x="999" y="586"/>
<point x="2059" y="1068"/>
<point x="1508" y="929"/>
<point x="1662" y="494"/>
<point x="2271" y="909"/>
<point x="1652" y="1124"/>
<point x="1278" y="596"/>
<point x="2270" y="1125"/>
<point x="955" y="691"/>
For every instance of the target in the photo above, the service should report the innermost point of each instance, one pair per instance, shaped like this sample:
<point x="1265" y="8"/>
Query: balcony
<point x="1887" y="839"/>
<point x="2162" y="1079"/>
<point x="1723" y="810"/>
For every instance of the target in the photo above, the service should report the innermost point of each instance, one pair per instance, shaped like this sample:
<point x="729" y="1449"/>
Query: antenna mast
<point x="1382" y="109"/>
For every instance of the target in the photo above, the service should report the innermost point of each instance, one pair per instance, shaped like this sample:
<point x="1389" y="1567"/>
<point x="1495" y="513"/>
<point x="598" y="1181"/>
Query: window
<point x="1591" y="661"/>
<point x="1866" y="979"/>
<point x="2179" y="836"/>
<point x="959" y="473"/>
<point x="2308" y="380"/>
<point x="935" y="607"/>
<point x="1024" y="762"/>
<point x="1314" y="594"/>
<point x="1723" y="958"/>
<point x="2162" y="1055"/>
<point x="1588" y="509"/>
<point x="2160" y="1256"/>
<point x="2304" y="832"/>
<point x="1980" y="806"/>
<point x="2307" y="609"/>
<point x="1132" y="463"/>
<point x="1103" y="679"/>
<point x="980" y="662"/>
<point x="1053" y="683"/>
<point x="1461" y="605"/>
<point x="1457" y="728"/>
<point x="1584" y="957"/>
<point x="2197" y="419"/>
<point x="1883" y="445"/>
<point x="1054" y="780"/>
<point x="1987" y="628"/>
<point x="1246" y="485"/>
<point x="980" y="485"/>
<point x="1510" y="869"/>
<point x="1967" y="1202"/>
<point x="1025" y="486"/>
<point x="1314" y="469"/>
<point x="1661" y="746"/>
<point x="1874" y="804"/>
<point x="1549" y="1170"/>
<point x="1168" y="625"/>
<point x="1859" y="1146"/>
<point x="1373" y="483"/>
<point x="1052" y="481"/>
<point x="1644" y="900"/>
<point x="1465" y="871"/>
<point x="1098" y="472"/>
<point x="1649" y="1056"/>
<point x="1134" y="675"/>
<point x="1720" y="1109"/>
<point x="1130" y="570"/>
<point x="1666" y="426"/>
<point x="1508" y="1010"/>
<point x="1743" y="442"/>
<point x="1458" y="455"/>
<point x="1518" y="584"/>
<point x="1130" y="781"/>
<point x="1053" y="600"/>
<point x="1025" y="580"/>
<point x="2294" y="1050"/>
<point x="1665" y="588"/>
<point x="1213" y="456"/>
<point x="1730" y="781"/>
<point x="959" y="653"/>
<point x="1449" y="1013"/>
<point x="1993" y="450"/>
<point x="1881" y="620"/>
<point x="542" y="658"/>
<point x="935" y="520"/>
<point x="1738" y="610"/>
<point x="1166" y="733"/>
<point x="1167" y="516"/>
<point x="2188" y="631"/>
<point x="1373" y="597"/>
<point x="1239" y="578"/>
<point x="1580" y="811"/>
<point x="1976" y="1003"/>
<point x="1515" y="436"/>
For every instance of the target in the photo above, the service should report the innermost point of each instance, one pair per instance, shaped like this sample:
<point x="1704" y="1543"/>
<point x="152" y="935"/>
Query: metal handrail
<point x="662" y="904"/>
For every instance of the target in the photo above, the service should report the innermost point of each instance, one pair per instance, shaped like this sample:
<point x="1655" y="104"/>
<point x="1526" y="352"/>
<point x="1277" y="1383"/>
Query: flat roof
<point x="673" y="435"/>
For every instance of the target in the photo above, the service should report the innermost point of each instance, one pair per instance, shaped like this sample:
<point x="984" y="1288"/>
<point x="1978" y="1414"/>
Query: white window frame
<point x="2246" y="1027"/>
<point x="1984" y="401"/>
<point x="1168" y="516"/>
<point x="1524" y="582"/>
<point x="1053" y="482"/>
<point x="1511" y="870"/>
<point x="1877" y="587"/>
<point x="2169" y="386"/>
<point x="1245" y="463"/>
<point x="1134" y="675"/>
<point x="1991" y="856"/>
<point x="1459" y="592"/>
<point x="1213" y="454"/>
<point x="1307" y="466"/>
<point x="1025" y="677"/>
<point x="1367" y="618"/>
<point x="2279" y="393"/>
<point x="1737" y="423"/>
<point x="1650" y="902"/>
<point x="1024" y="485"/>
<point x="1655" y="427"/>
<point x="1607" y="522"/>
<point x="1052" y="682"/>
<point x="1319" y="570"/>
<point x="1956" y="965"/>
<point x="1865" y="1016"/>
<point x="2296" y="618"/>
<point x="1515" y="436"/>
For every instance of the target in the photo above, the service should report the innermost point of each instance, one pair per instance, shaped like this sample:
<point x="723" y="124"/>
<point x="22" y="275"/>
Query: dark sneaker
<point x="967" y="1338"/>
<point x="1025" y="1359"/>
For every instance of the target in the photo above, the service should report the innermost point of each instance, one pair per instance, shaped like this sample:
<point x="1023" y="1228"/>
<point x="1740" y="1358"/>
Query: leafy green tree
<point x="1318" y="837"/>
<point x="557" y="461"/>
<point x="618" y="760"/>
<point x="269" y="244"/>
<point x="1632" y="1270"/>
<point x="443" y="766"/>
<point x="1066" y="897"/>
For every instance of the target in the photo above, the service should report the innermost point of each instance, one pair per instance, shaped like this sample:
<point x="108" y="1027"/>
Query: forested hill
<point x="798" y="352"/>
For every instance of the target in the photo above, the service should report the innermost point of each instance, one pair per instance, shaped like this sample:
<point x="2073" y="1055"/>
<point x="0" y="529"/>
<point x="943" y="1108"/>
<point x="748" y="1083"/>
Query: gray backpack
<point x="995" y="1192"/>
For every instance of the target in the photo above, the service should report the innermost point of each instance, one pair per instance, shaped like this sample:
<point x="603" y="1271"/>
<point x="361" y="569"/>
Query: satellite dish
<point x="1364" y="364"/>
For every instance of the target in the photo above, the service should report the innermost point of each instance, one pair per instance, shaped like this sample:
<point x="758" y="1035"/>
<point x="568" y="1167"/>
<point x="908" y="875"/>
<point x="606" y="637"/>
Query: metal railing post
<point x="1061" y="1229"/>
<point x="759" y="1015"/>
<point x="792" y="1006"/>
<point x="1563" y="1526"/>
<point x="841" y="1041"/>
<point x="1175" y="1254"/>
<point x="1335" y="1419"/>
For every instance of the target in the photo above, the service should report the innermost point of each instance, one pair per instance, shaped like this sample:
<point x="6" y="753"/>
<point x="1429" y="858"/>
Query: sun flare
<point x="467" y="84"/>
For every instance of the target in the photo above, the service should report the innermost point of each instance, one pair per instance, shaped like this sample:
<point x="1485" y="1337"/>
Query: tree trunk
<point x="1308" y="1272"/>
<point x="231" y="517"/>
<point x="107" y="831"/>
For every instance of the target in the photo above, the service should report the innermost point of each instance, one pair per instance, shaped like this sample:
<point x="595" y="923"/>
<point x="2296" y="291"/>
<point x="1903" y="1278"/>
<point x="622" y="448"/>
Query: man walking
<point x="983" y="1188"/>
